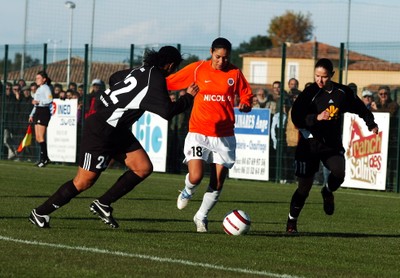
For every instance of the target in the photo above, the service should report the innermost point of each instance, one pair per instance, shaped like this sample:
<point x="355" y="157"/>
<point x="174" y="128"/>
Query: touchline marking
<point x="147" y="257"/>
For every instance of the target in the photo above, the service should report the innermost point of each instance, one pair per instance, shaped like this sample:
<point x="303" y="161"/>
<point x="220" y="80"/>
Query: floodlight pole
<point x="70" y="5"/>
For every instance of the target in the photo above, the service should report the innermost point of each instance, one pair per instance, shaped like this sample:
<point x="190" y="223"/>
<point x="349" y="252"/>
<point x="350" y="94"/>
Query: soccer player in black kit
<point x="107" y="133"/>
<point x="317" y="113"/>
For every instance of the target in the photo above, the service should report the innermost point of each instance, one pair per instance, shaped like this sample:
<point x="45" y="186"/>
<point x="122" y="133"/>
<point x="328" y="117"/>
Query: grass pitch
<point x="155" y="239"/>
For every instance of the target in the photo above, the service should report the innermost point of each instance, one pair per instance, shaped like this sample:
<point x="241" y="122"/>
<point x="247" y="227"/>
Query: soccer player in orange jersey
<point x="211" y="136"/>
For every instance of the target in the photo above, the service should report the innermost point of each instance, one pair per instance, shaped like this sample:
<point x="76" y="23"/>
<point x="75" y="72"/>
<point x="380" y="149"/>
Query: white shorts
<point x="219" y="150"/>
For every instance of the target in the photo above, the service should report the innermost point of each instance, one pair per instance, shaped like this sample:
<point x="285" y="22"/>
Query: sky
<point x="119" y="23"/>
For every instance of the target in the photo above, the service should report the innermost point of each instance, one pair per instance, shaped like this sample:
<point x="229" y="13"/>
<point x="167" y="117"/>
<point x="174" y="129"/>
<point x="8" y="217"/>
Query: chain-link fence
<point x="261" y="68"/>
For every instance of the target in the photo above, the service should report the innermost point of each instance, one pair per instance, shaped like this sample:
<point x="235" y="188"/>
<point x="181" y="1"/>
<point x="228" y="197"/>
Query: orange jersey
<point x="212" y="113"/>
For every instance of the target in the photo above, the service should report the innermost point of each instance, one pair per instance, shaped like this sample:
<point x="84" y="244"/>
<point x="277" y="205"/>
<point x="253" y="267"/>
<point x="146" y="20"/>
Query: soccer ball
<point x="236" y="223"/>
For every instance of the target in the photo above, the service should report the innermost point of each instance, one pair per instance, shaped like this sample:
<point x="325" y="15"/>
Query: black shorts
<point x="42" y="116"/>
<point x="101" y="142"/>
<point x="310" y="152"/>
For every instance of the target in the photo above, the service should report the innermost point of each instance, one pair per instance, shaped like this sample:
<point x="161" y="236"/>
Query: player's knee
<point x="83" y="184"/>
<point x="144" y="171"/>
<point x="195" y="178"/>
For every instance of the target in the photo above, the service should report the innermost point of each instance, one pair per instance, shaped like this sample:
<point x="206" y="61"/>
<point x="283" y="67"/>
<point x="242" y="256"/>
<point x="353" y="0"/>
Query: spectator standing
<point x="293" y="83"/>
<point x="57" y="89"/>
<point x="353" y="87"/>
<point x="26" y="107"/>
<point x="292" y="139"/>
<point x="367" y="98"/>
<point x="254" y="102"/>
<point x="277" y="118"/>
<point x="385" y="103"/>
<point x="40" y="114"/>
<point x="73" y="87"/>
<point x="80" y="91"/>
<point x="33" y="88"/>
<point x="19" y="127"/>
<point x="9" y="117"/>
<point x="93" y="98"/>
<point x="22" y="83"/>
<point x="261" y="97"/>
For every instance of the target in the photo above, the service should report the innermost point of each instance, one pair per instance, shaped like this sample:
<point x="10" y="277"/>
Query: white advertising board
<point x="252" y="145"/>
<point x="152" y="132"/>
<point x="366" y="153"/>
<point x="62" y="131"/>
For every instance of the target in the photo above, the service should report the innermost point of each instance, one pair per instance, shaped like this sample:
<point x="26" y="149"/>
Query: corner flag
<point x="27" y="140"/>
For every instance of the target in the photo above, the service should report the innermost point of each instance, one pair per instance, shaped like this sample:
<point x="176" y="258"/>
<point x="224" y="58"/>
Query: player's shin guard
<point x="210" y="199"/>
<point x="61" y="197"/>
<point x="123" y="186"/>
<point x="297" y="204"/>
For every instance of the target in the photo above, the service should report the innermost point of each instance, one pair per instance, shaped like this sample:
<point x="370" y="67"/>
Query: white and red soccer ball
<point x="236" y="223"/>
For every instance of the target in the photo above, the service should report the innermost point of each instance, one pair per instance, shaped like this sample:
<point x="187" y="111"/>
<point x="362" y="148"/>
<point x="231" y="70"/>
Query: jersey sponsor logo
<point x="231" y="81"/>
<point x="207" y="81"/>
<point x="216" y="98"/>
<point x="333" y="112"/>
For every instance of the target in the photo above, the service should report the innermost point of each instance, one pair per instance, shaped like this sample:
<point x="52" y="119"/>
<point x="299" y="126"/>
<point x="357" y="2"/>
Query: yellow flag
<point x="27" y="139"/>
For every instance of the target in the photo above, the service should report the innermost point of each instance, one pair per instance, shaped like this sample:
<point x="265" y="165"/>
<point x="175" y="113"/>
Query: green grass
<point x="155" y="239"/>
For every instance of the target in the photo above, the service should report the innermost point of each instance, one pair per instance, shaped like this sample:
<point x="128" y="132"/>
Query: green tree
<point x="15" y="65"/>
<point x="255" y="43"/>
<point x="28" y="62"/>
<point x="291" y="27"/>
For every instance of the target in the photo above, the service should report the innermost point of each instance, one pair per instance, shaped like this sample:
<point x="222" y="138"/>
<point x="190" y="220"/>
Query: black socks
<point x="62" y="196"/>
<point x="123" y="186"/>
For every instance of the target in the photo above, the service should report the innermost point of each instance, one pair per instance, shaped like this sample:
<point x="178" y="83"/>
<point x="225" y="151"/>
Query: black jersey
<point x="138" y="90"/>
<point x="313" y="100"/>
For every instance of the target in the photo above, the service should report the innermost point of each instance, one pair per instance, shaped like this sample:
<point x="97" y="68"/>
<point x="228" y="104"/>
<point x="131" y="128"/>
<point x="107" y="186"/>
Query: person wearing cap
<point x="367" y="98"/>
<point x="107" y="134"/>
<point x="98" y="85"/>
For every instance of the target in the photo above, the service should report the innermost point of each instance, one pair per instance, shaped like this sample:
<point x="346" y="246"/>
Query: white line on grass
<point x="147" y="257"/>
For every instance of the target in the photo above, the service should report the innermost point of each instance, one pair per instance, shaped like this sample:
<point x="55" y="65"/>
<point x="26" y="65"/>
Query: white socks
<point x="209" y="201"/>
<point x="190" y="188"/>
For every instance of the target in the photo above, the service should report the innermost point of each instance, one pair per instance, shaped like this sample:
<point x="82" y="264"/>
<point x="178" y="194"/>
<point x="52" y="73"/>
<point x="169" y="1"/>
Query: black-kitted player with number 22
<point x="107" y="133"/>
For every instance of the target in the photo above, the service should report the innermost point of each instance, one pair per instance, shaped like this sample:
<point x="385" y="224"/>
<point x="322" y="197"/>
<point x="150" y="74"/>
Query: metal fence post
<point x="85" y="85"/>
<point x="279" y="145"/>
<point x="341" y="59"/>
<point x="3" y="100"/>
<point x="131" y="61"/>
<point x="398" y="154"/>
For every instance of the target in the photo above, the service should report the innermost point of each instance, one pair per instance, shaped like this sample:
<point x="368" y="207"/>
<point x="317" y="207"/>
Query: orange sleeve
<point x="183" y="78"/>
